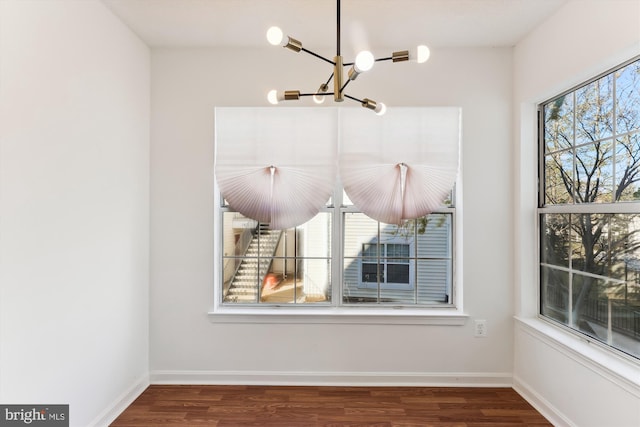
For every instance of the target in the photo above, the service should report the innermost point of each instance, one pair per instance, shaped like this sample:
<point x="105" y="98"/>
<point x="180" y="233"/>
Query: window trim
<point x="445" y="316"/>
<point x="337" y="311"/>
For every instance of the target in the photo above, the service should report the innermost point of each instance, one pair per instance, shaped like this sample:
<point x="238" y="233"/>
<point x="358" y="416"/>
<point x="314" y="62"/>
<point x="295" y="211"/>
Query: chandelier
<point x="364" y="61"/>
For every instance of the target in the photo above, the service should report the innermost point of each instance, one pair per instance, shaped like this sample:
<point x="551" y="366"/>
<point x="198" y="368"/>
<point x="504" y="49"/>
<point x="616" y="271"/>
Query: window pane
<point x="628" y="98"/>
<point x="397" y="295"/>
<point x="359" y="229"/>
<point x="555" y="236"/>
<point x="308" y="283"/>
<point x="558" y="124"/>
<point x="592" y="236"/>
<point x="554" y="290"/>
<point x="370" y="252"/>
<point x="370" y="273"/>
<point x="314" y="276"/>
<point x="415" y="261"/>
<point x="352" y="280"/>
<point x="434" y="236"/>
<point x="594" y="173"/>
<point x="398" y="252"/>
<point x="313" y="237"/>
<point x="594" y="111"/>
<point x="448" y="201"/>
<point x="599" y="314"/>
<point x="628" y="168"/>
<point x="589" y="249"/>
<point x="558" y="174"/>
<point x="261" y="265"/>
<point x="590" y="305"/>
<point x="346" y="201"/>
<point x="434" y="279"/>
<point x="398" y="273"/>
<point x="625" y="250"/>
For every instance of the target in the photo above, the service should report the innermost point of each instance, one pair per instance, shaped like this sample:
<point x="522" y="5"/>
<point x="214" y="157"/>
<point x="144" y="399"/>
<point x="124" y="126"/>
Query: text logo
<point x="34" y="415"/>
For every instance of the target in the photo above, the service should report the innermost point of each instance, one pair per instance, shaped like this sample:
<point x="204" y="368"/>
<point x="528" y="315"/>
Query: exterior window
<point x="409" y="264"/>
<point x="385" y="264"/>
<point x="589" y="209"/>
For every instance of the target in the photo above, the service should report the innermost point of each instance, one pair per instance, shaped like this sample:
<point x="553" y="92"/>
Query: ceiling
<point x="397" y="24"/>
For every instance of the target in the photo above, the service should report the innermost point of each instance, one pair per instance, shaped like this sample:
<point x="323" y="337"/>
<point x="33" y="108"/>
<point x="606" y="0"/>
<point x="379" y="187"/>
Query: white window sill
<point x="621" y="368"/>
<point x="353" y="316"/>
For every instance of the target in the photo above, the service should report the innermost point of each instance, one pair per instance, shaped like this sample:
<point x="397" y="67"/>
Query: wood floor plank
<point x="298" y="406"/>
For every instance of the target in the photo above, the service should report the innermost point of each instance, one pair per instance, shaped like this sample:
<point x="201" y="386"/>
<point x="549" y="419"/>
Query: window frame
<point x="451" y="314"/>
<point x="575" y="207"/>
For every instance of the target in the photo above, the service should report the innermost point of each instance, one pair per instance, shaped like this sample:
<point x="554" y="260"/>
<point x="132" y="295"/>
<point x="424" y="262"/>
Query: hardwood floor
<point x="238" y="406"/>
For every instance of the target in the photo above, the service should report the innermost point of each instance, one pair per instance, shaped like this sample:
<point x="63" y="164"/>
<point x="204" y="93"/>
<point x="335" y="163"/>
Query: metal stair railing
<point x="250" y="272"/>
<point x="240" y="248"/>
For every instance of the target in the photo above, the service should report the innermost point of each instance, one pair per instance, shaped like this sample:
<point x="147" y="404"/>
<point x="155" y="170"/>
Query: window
<point x="589" y="209"/>
<point x="313" y="246"/>
<point x="385" y="265"/>
<point x="381" y="264"/>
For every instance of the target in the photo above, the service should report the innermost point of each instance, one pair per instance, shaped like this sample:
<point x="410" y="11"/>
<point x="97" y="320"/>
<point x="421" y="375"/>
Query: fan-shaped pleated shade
<point x="276" y="165"/>
<point x="401" y="165"/>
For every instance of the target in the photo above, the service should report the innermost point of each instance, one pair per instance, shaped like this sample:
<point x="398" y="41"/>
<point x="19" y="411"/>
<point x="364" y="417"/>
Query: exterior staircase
<point x="255" y="264"/>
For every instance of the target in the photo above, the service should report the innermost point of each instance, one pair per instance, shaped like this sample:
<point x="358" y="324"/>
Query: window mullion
<point x="337" y="239"/>
<point x="415" y="261"/>
<point x="378" y="251"/>
<point x="574" y="184"/>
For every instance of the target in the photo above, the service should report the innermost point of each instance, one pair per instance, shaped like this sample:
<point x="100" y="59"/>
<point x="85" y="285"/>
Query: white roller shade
<point x="276" y="165"/>
<point x="401" y="165"/>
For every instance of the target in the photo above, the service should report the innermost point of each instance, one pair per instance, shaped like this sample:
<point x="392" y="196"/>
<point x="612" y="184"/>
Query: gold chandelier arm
<point x="402" y="55"/>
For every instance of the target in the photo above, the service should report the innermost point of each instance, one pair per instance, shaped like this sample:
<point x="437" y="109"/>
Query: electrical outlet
<point x="481" y="328"/>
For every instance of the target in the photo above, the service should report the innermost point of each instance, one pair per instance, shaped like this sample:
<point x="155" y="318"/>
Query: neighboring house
<point x="415" y="265"/>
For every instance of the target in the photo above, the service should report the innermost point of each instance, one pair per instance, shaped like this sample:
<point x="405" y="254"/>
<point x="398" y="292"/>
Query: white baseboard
<point x="541" y="404"/>
<point x="121" y="403"/>
<point x="371" y="379"/>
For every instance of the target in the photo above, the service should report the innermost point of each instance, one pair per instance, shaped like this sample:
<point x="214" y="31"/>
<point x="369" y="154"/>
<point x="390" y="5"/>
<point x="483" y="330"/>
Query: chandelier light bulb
<point x="272" y="97"/>
<point x="364" y="61"/>
<point x="378" y="107"/>
<point x="274" y="36"/>
<point x="422" y="54"/>
<point x="319" y="98"/>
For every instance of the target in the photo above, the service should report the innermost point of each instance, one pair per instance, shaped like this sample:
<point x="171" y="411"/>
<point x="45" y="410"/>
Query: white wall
<point x="74" y="198"/>
<point x="573" y="383"/>
<point x="186" y="346"/>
